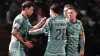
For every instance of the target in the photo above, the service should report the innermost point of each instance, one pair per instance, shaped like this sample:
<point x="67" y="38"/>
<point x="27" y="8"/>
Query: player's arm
<point x="16" y="34"/>
<point x="82" y="33"/>
<point x="41" y="30"/>
<point x="16" y="27"/>
<point x="83" y="36"/>
<point x="37" y="31"/>
<point x="81" y="43"/>
<point x="40" y="24"/>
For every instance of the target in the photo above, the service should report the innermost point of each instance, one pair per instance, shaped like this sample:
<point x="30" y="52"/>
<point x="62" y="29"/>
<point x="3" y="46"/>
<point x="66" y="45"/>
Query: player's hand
<point x="43" y="20"/>
<point x="81" y="53"/>
<point x="29" y="44"/>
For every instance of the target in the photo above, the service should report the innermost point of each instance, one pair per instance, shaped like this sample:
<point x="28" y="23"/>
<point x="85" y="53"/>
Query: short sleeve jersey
<point x="21" y="24"/>
<point x="73" y="33"/>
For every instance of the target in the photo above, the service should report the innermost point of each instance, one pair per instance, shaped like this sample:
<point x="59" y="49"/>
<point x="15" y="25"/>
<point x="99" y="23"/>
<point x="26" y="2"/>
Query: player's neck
<point x="55" y="14"/>
<point x="73" y="20"/>
<point x="24" y="13"/>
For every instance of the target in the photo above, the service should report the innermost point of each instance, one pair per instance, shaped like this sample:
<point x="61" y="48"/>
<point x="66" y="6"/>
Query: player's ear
<point x="26" y="9"/>
<point x="76" y="13"/>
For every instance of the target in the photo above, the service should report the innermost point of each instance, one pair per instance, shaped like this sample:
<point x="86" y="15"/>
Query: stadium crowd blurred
<point x="88" y="13"/>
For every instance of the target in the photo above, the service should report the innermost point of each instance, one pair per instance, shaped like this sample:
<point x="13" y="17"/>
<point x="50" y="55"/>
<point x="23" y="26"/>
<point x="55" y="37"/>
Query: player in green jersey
<point x="74" y="31"/>
<point x="55" y="26"/>
<point x="81" y="32"/>
<point x="65" y="15"/>
<point x="20" y="27"/>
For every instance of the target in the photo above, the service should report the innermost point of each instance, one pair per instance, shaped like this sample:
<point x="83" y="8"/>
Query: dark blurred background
<point x="88" y="13"/>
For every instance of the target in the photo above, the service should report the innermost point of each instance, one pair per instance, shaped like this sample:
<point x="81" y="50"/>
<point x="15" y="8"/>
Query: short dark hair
<point x="72" y="7"/>
<point x="56" y="8"/>
<point x="67" y="5"/>
<point x="27" y="4"/>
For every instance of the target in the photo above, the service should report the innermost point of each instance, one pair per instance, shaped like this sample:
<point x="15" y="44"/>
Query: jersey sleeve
<point x="17" y="23"/>
<point x="82" y="29"/>
<point x="44" y="29"/>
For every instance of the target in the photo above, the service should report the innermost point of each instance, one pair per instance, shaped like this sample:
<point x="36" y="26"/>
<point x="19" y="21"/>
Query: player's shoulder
<point x="51" y="18"/>
<point x="79" y="21"/>
<point x="61" y="16"/>
<point x="19" y="17"/>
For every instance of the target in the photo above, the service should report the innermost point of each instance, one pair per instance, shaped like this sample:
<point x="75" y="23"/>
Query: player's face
<point x="65" y="11"/>
<point x="71" y="13"/>
<point x="30" y="11"/>
<point x="51" y="12"/>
